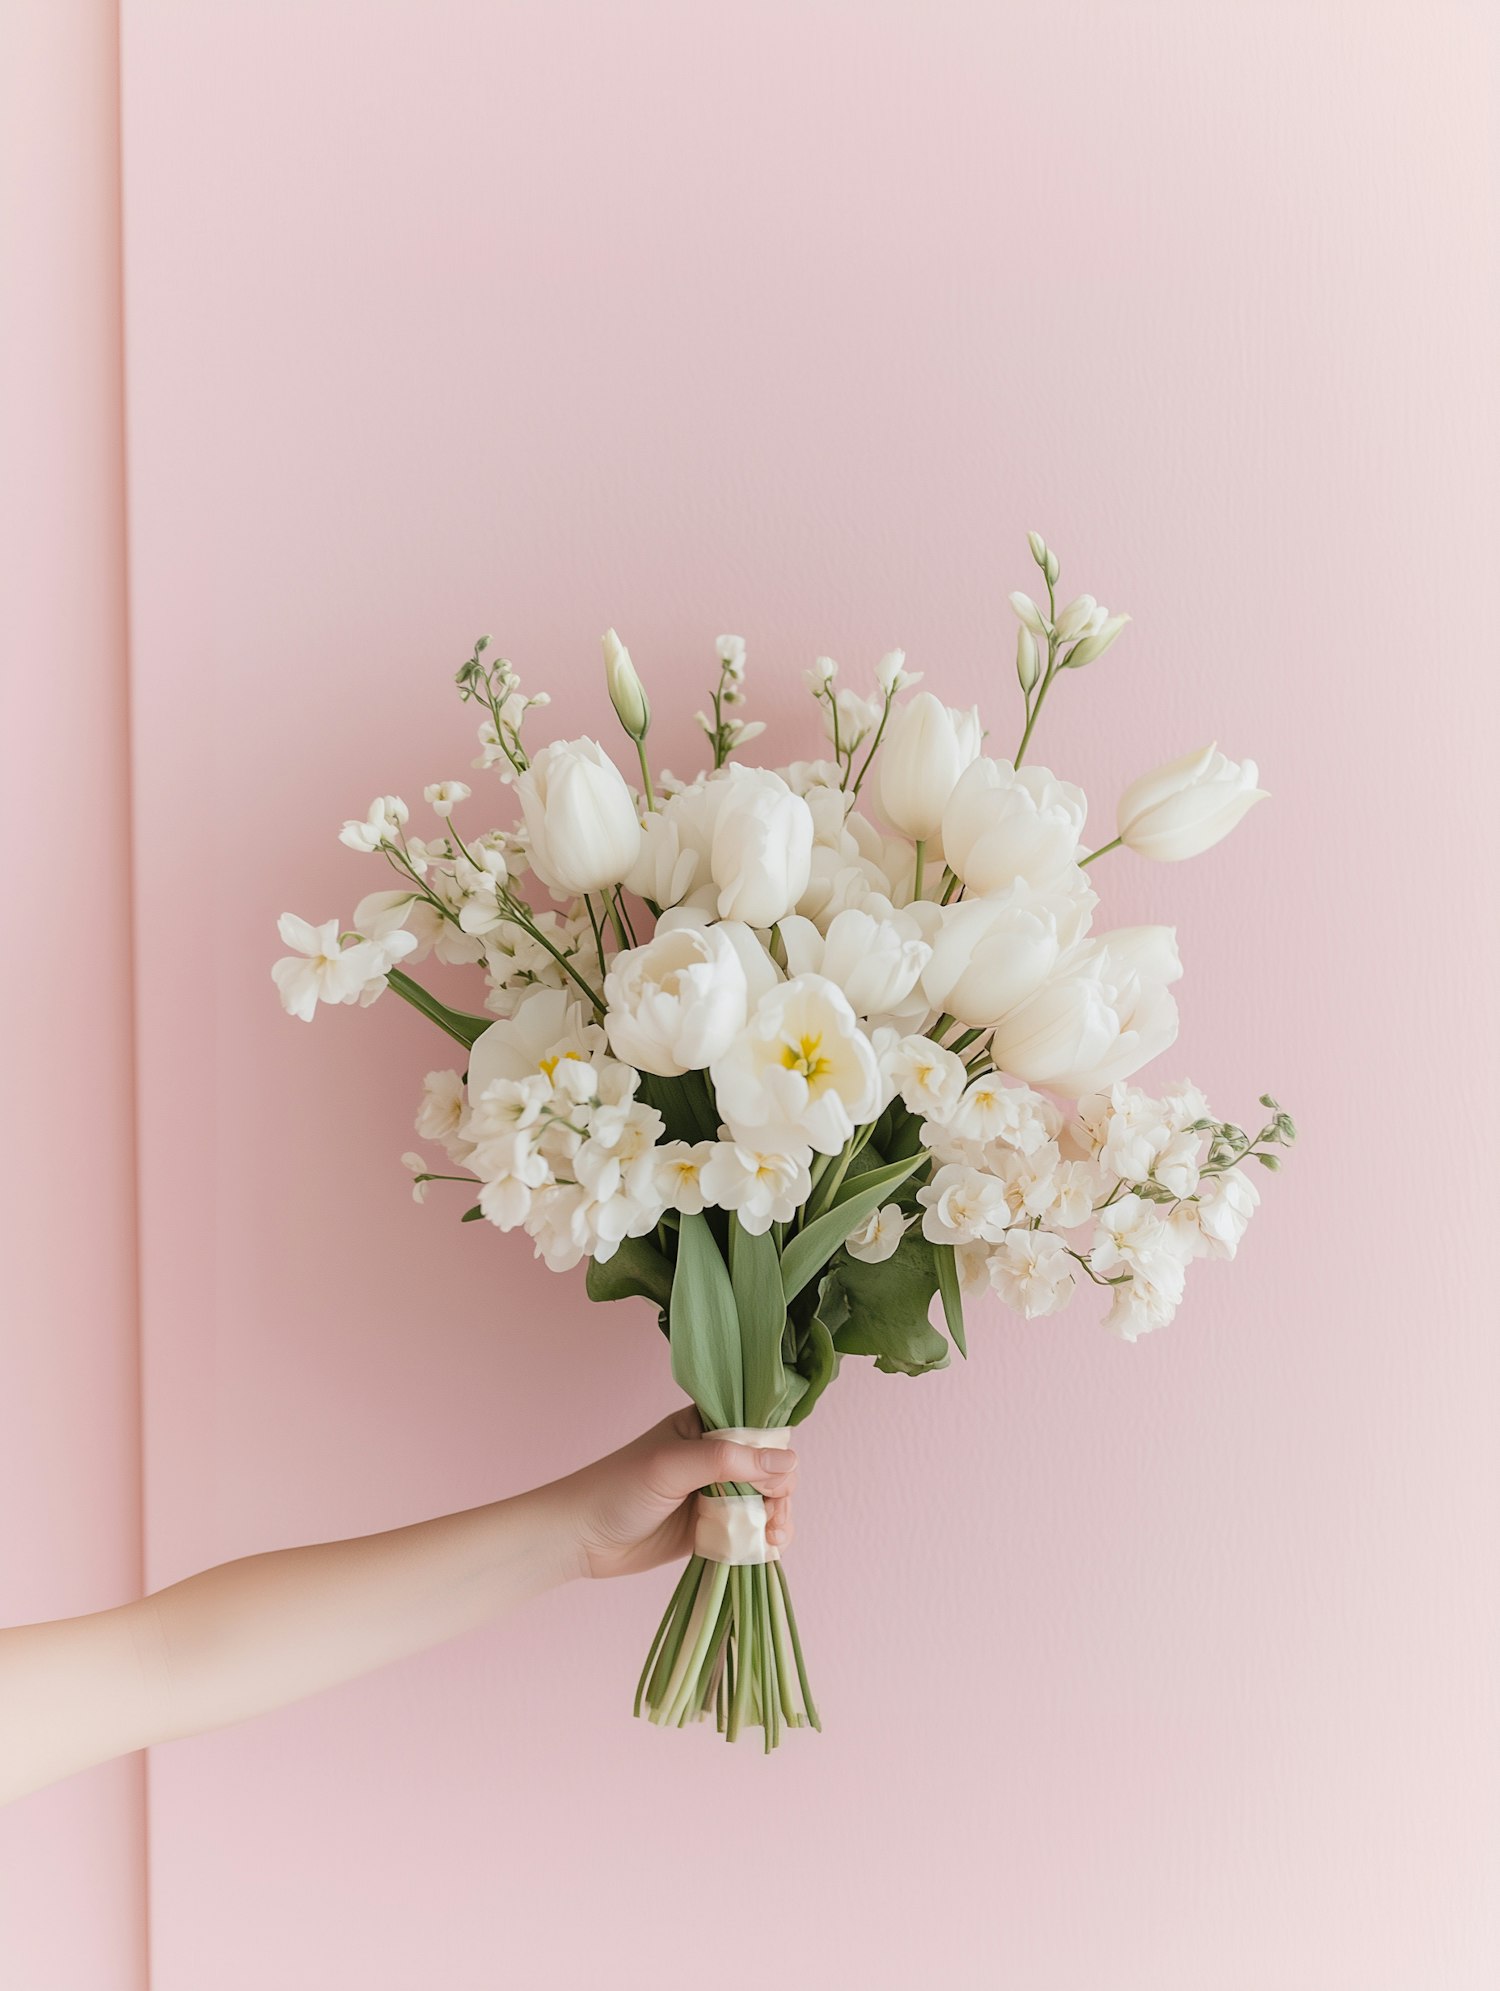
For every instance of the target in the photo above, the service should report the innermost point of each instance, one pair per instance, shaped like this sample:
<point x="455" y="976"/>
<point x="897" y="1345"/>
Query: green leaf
<point x="471" y="1216"/>
<point x="636" y="1270"/>
<point x="457" y="1022"/>
<point x="811" y="1249"/>
<point x="887" y="1310"/>
<point x="953" y="1299"/>
<point x="705" y="1329"/>
<point x="755" y="1274"/>
<point x="685" y="1104"/>
<point x="818" y="1362"/>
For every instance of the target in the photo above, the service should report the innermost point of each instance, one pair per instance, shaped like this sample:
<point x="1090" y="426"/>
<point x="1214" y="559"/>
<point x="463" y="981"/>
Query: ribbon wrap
<point x="731" y="1527"/>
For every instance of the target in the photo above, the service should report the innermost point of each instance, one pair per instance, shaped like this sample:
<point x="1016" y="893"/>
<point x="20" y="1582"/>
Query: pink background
<point x="1146" y="1669"/>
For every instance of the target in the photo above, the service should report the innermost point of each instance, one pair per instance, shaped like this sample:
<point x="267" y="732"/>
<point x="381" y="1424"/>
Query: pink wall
<point x="1145" y="1669"/>
<point x="72" y="1905"/>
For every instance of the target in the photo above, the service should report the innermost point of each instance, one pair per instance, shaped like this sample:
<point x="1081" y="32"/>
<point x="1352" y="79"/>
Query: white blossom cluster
<point x="816" y="968"/>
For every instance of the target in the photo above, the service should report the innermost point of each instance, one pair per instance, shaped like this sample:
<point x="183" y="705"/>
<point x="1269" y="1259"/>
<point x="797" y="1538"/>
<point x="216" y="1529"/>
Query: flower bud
<point x="1029" y="613"/>
<point x="1038" y="547"/>
<point x="1049" y="568"/>
<point x="1074" y="618"/>
<point x="626" y="692"/>
<point x="1093" y="647"/>
<point x="1026" y="658"/>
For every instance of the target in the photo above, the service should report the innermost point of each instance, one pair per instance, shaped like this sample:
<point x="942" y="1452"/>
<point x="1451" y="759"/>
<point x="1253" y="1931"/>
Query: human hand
<point x="634" y="1508"/>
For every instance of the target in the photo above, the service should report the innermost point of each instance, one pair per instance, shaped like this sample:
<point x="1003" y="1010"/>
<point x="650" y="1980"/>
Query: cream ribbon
<point x="731" y="1527"/>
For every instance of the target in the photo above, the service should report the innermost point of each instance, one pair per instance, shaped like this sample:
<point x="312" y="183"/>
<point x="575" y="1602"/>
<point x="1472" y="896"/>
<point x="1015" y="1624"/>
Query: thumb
<point x="684" y="1465"/>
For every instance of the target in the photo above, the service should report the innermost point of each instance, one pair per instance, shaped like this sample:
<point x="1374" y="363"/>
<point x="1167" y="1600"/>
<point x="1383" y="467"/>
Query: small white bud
<point x="626" y="692"/>
<point x="1094" y="647"/>
<point x="1049" y="568"/>
<point x="1026" y="658"/>
<point x="1029" y="613"/>
<point x="822" y="674"/>
<point x="1038" y="547"/>
<point x="890" y="672"/>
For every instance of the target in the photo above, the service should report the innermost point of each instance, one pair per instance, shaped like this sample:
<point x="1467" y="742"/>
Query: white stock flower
<point x="444" y="796"/>
<point x="418" y="1166"/>
<point x="380" y="913"/>
<point x="962" y="1205"/>
<point x="1032" y="1272"/>
<point x="582" y="830"/>
<point x="730" y="651"/>
<point x="801" y="1073"/>
<point x="1188" y="805"/>
<point x="1214" y="1222"/>
<point x="765" y="1188"/>
<point x="877" y="1238"/>
<point x="442" y="1108"/>
<point x="679" y="1002"/>
<point x="1139" y="1306"/>
<point x="761" y="853"/>
<point x="991" y="1110"/>
<point x="679" y="1174"/>
<point x="387" y="815"/>
<point x="323" y="971"/>
<point x="892" y="675"/>
<point x="927" y="747"/>
<point x="929" y="1079"/>
<point x="990" y="954"/>
<point x="1004" y="823"/>
<point x="1133" y="1237"/>
<point x="875" y="957"/>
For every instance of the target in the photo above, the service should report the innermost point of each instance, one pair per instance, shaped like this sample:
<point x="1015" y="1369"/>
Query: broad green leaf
<point x="684" y="1103"/>
<point x="811" y="1249"/>
<point x="755" y="1274"/>
<point x="637" y="1269"/>
<point x="705" y="1329"/>
<point x="888" y="1306"/>
<point x="953" y="1299"/>
<point x="471" y="1216"/>
<point x="457" y="1022"/>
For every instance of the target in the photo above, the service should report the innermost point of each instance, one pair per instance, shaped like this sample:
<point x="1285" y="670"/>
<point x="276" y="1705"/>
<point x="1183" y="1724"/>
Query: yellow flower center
<point x="550" y="1065"/>
<point x="804" y="1056"/>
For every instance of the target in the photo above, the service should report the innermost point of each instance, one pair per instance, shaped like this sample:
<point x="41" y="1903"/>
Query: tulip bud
<point x="1038" y="547"/>
<point x="626" y="692"/>
<point x="1187" y="806"/>
<point x="1029" y="613"/>
<point x="1026" y="658"/>
<point x="1093" y="647"/>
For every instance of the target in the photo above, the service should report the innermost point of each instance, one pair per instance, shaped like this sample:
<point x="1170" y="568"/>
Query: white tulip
<point x="1004" y="823"/>
<point x="801" y="1074"/>
<point x="991" y="954"/>
<point x="582" y="830"/>
<point x="761" y="853"/>
<point x="1065" y="1025"/>
<point x="626" y="692"/>
<point x="1104" y="1014"/>
<point x="875" y="954"/>
<point x="677" y="1003"/>
<point x="1187" y="806"/>
<point x="927" y="747"/>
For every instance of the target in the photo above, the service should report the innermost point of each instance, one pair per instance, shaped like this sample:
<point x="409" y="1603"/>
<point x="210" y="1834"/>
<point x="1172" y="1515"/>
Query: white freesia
<point x="679" y="1002"/>
<point x="1004" y="823"/>
<point x="990" y="954"/>
<point x="961" y="1205"/>
<point x="582" y="830"/>
<point x="801" y="1073"/>
<point x="764" y="1187"/>
<point x="1188" y="805"/>
<point x="761" y="853"/>
<point x="927" y="747"/>
<point x="381" y="826"/>
<point x="443" y="797"/>
<point x="1032" y="1271"/>
<point x="879" y="1236"/>
<point x="323" y="971"/>
<point x="874" y="953"/>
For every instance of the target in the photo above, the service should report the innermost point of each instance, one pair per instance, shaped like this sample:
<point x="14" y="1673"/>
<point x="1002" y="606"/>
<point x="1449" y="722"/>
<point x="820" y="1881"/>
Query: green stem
<point x="1113" y="844"/>
<point x="522" y="919"/>
<point x="612" y="908"/>
<point x="588" y="906"/>
<point x="916" y="880"/>
<point x="640" y="747"/>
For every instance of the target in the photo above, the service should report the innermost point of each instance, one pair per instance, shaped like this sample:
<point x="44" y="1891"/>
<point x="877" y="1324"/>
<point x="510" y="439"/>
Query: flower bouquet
<point x="802" y="1056"/>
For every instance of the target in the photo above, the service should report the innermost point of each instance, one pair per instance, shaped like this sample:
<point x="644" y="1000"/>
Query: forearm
<point x="252" y="1635"/>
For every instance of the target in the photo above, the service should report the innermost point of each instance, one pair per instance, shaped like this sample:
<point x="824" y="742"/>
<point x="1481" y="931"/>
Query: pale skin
<point x="249" y="1636"/>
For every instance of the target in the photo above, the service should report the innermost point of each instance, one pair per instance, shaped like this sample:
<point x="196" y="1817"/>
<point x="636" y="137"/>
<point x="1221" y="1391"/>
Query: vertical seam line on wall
<point x="132" y="941"/>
